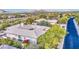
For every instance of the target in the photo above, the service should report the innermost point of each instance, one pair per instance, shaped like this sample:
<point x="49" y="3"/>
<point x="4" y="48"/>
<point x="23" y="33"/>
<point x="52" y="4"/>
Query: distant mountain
<point x="35" y="10"/>
<point x="19" y="10"/>
<point x="61" y="10"/>
<point x="2" y="11"/>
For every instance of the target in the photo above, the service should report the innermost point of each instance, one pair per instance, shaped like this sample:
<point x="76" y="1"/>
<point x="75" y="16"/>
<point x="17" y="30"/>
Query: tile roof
<point x="32" y="31"/>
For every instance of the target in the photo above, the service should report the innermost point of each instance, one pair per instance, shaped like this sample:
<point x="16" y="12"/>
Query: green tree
<point x="4" y="25"/>
<point x="10" y="42"/>
<point x="63" y="19"/>
<point x="29" y="21"/>
<point x="17" y="15"/>
<point x="5" y="17"/>
<point x="44" y="23"/>
<point x="52" y="37"/>
<point x="43" y="16"/>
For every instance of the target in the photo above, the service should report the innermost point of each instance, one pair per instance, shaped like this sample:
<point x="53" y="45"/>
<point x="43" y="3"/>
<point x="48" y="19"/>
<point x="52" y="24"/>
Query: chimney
<point x="22" y="24"/>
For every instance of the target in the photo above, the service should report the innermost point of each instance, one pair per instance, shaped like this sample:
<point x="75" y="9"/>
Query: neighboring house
<point x="11" y="16"/>
<point x="39" y="20"/>
<point x="63" y="25"/>
<point x="25" y="32"/>
<point x="23" y="15"/>
<point x="1" y="21"/>
<point x="54" y="21"/>
<point x="2" y="34"/>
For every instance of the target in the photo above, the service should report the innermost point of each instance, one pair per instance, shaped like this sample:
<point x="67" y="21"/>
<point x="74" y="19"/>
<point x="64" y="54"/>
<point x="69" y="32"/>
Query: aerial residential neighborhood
<point x="36" y="29"/>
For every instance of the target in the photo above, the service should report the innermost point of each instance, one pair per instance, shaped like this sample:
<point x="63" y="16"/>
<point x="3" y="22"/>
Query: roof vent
<point x="22" y="24"/>
<point x="31" y="29"/>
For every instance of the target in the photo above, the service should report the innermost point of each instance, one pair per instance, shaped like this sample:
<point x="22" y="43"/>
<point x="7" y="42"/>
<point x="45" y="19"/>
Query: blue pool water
<point x="71" y="40"/>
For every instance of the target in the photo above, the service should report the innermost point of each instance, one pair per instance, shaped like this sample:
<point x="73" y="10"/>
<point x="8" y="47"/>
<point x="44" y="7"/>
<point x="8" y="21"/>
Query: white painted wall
<point x="32" y="40"/>
<point x="12" y="36"/>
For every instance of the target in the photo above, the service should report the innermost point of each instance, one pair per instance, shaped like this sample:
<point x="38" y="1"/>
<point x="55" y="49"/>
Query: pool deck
<point x="60" y="46"/>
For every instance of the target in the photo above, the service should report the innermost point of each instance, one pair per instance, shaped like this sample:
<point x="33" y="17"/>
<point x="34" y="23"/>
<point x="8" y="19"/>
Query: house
<point x="26" y="32"/>
<point x="63" y="25"/>
<point x="11" y="16"/>
<point x="39" y="20"/>
<point x="2" y="34"/>
<point x="23" y="15"/>
<point x="54" y="21"/>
